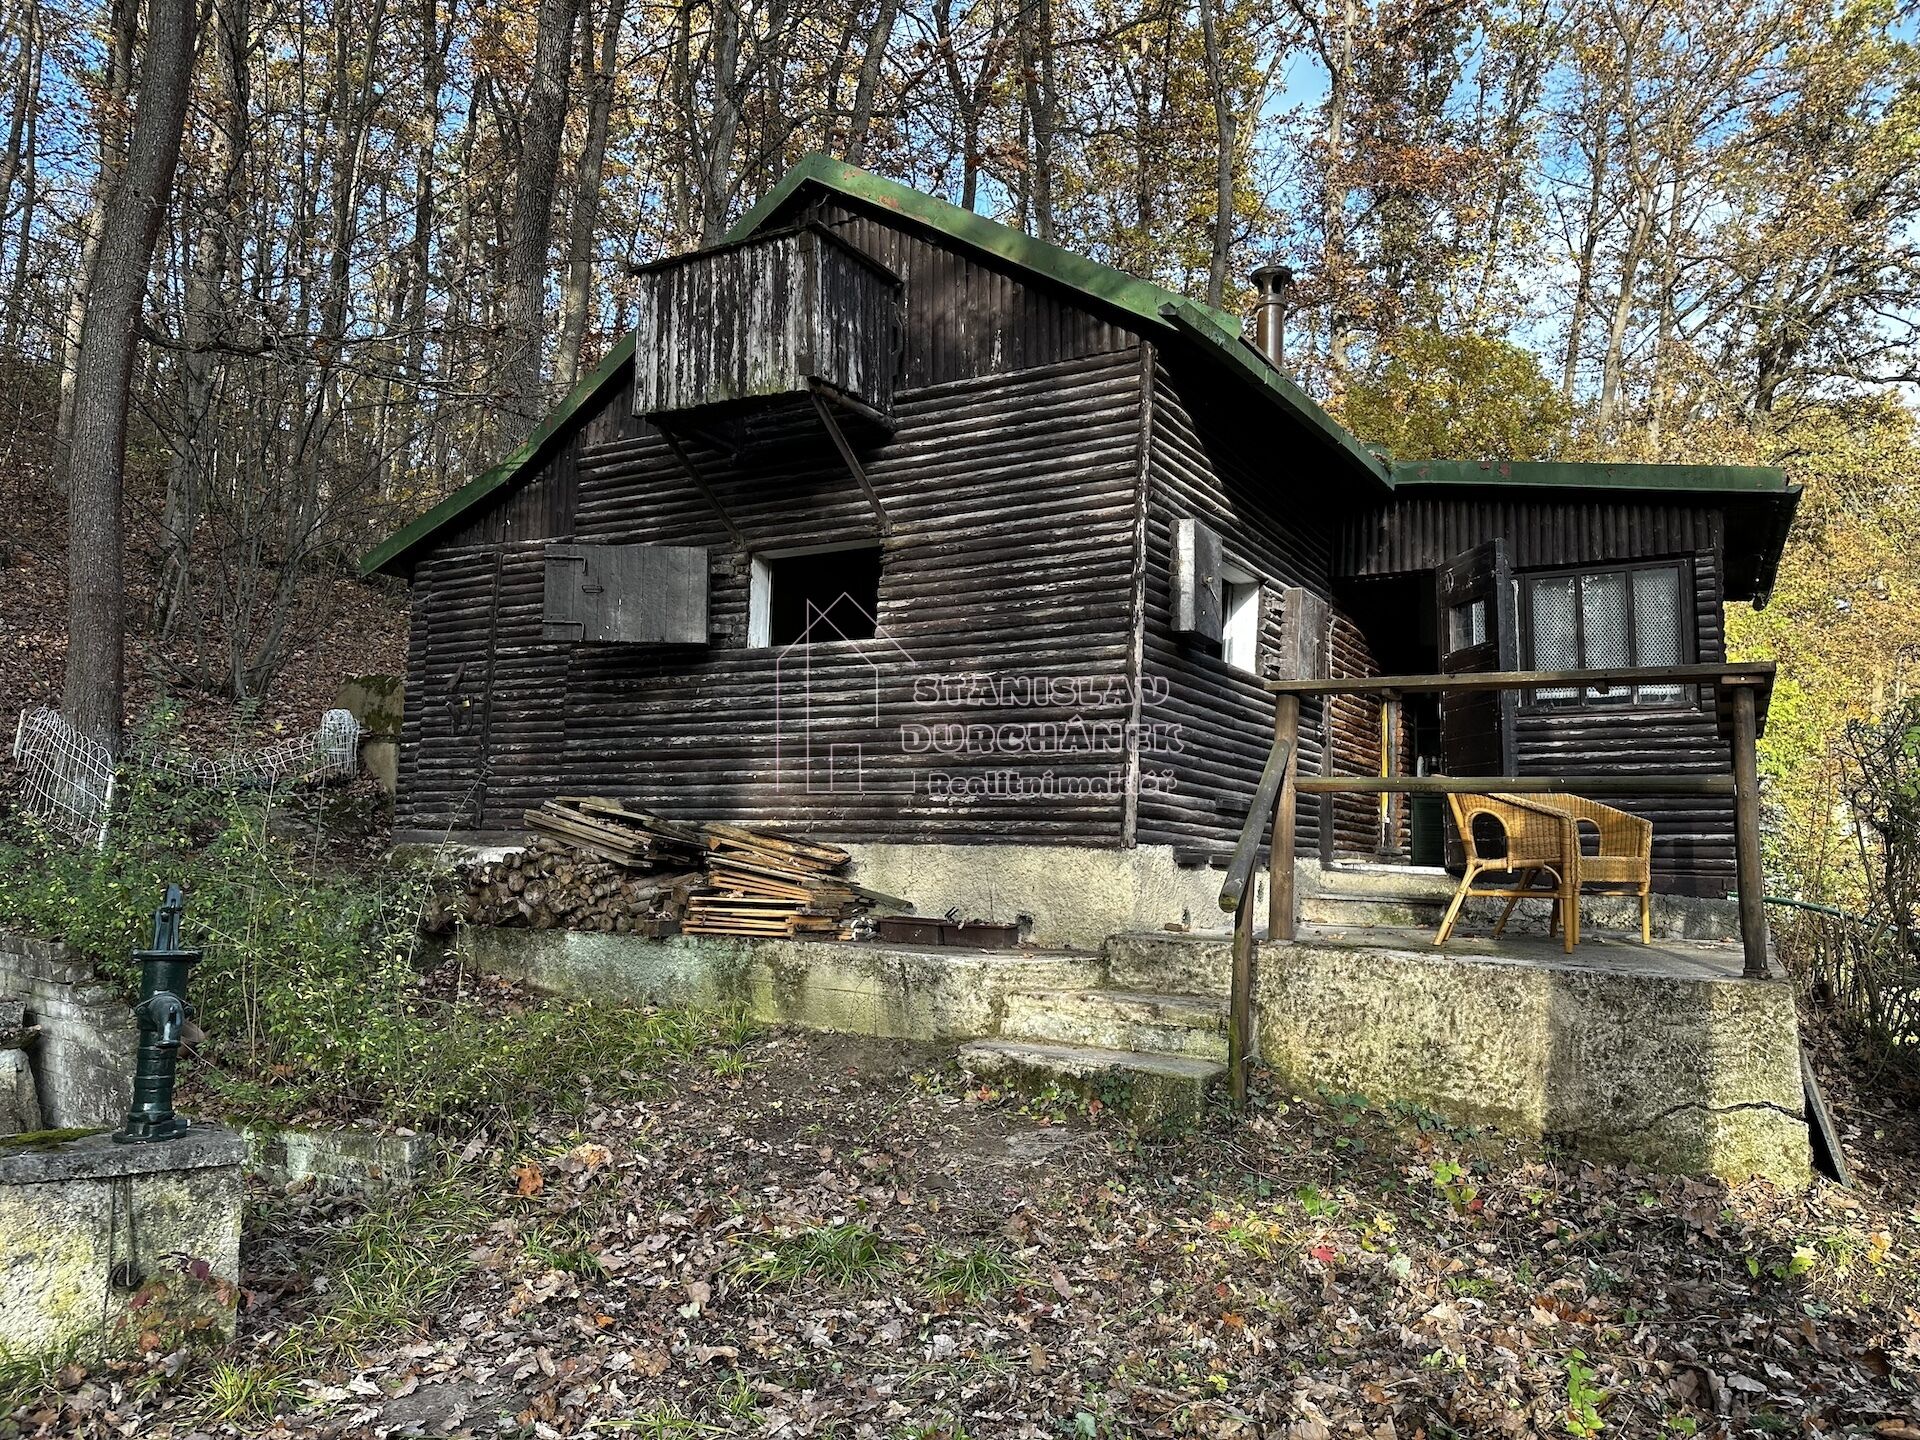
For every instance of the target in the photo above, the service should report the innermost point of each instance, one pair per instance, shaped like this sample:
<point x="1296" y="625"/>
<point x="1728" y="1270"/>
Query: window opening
<point x="1240" y="634"/>
<point x="818" y="596"/>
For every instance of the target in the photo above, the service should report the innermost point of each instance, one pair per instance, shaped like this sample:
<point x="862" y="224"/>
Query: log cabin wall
<point x="1012" y="489"/>
<point x="1693" y="836"/>
<point x="1353" y="748"/>
<point x="1205" y="463"/>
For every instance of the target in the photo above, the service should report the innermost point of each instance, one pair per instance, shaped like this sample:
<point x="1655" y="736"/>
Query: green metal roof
<point x="1213" y="335"/>
<point x="1596" y="475"/>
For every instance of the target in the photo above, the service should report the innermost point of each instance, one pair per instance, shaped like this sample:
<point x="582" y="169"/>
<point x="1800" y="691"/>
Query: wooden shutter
<point x="1197" y="608"/>
<point x="626" y="594"/>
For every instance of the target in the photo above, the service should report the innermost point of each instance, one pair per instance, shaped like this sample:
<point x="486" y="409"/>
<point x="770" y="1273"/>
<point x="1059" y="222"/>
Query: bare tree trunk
<point x="1613" y="360"/>
<point x="122" y="19"/>
<point x="26" y="97"/>
<point x="1040" y="115"/>
<point x="95" y="461"/>
<point x="723" y="49"/>
<point x="16" y="327"/>
<point x="1224" y="133"/>
<point x="541" y="124"/>
<point x="879" y="38"/>
<point x="420" y="250"/>
<point x="1583" y="268"/>
<point x="1336" y="53"/>
<point x="204" y="318"/>
<point x="966" y="104"/>
<point x="577" y="291"/>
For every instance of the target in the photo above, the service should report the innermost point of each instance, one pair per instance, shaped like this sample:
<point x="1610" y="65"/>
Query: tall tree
<point x="95" y="461"/>
<point x="576" y="293"/>
<point x="542" y="122"/>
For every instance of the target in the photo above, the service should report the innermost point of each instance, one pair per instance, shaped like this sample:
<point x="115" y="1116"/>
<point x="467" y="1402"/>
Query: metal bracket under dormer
<point x="700" y="484"/>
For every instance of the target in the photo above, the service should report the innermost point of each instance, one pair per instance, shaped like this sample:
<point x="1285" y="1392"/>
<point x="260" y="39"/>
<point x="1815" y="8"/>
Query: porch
<point x="1664" y="1055"/>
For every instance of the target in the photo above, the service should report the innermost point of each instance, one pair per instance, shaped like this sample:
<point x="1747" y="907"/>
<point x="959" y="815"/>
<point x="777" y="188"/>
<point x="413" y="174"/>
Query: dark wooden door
<point x="1479" y="631"/>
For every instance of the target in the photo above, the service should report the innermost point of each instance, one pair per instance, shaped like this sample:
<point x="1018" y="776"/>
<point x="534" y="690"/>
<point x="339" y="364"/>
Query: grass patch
<point x="248" y="1392"/>
<point x="843" y="1255"/>
<point x="387" y="1267"/>
<point x="26" y="1380"/>
<point x="972" y="1274"/>
<point x="312" y="991"/>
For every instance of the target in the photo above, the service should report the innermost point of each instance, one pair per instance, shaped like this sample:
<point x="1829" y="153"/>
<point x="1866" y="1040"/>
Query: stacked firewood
<point x="596" y="865"/>
<point x="552" y="886"/>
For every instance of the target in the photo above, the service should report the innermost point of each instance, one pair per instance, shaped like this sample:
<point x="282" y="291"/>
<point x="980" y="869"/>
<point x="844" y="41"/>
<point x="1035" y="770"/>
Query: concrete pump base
<point x="109" y="1247"/>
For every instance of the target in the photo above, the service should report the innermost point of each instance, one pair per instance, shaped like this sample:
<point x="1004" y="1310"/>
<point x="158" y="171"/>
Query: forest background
<point x="399" y="229"/>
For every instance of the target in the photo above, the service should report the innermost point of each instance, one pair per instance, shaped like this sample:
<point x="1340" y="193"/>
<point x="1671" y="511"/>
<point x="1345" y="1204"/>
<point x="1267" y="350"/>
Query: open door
<point x="1479" y="631"/>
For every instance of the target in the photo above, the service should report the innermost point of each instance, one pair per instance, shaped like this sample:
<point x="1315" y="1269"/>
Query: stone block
<point x="19" y="1098"/>
<point x="1681" y="1071"/>
<point x="83" y="1058"/>
<point x="358" y="1159"/>
<point x="117" y="1248"/>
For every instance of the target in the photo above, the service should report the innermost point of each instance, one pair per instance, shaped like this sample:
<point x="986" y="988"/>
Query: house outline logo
<point x="840" y="755"/>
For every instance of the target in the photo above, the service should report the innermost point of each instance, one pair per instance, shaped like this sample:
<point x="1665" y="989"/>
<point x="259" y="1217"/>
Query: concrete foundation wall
<point x="1684" y="1074"/>
<point x="82" y="1062"/>
<point x="920" y="994"/>
<point x="1070" y="896"/>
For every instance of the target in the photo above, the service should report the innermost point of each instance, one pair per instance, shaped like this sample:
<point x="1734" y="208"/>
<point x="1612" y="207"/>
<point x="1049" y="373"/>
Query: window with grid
<point x="1606" y="619"/>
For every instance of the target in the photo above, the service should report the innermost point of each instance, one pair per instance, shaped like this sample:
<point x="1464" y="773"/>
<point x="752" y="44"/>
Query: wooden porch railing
<point x="1741" y="691"/>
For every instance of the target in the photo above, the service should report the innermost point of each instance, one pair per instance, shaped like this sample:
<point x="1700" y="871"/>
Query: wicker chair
<point x="1623" y="859"/>
<point x="1541" y="842"/>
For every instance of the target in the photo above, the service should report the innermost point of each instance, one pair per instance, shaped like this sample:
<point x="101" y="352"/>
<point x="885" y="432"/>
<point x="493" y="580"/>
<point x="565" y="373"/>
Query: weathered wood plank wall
<point x="761" y="317"/>
<point x="1252" y="487"/>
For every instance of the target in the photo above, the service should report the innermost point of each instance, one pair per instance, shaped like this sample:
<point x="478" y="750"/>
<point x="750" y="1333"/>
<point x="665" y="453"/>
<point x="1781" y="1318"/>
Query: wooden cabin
<point x="891" y="524"/>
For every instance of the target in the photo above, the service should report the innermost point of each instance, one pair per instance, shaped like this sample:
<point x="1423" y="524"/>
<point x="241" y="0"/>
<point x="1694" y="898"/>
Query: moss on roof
<point x="1209" y="333"/>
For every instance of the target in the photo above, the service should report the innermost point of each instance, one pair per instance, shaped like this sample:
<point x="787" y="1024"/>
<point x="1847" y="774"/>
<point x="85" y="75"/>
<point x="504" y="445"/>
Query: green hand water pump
<point x="162" y="1013"/>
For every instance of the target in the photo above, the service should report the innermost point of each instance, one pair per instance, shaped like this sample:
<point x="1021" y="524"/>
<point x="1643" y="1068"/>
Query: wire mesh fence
<point x="68" y="779"/>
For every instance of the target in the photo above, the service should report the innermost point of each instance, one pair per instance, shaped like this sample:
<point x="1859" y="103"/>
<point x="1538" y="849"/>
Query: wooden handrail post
<point x="1282" y="913"/>
<point x="1746" y="834"/>
<point x="1240" y="1002"/>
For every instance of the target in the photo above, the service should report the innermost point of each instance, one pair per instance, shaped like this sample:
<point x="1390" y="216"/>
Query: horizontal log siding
<point x="1353" y="733"/>
<point x="1012" y="505"/>
<point x="1419" y="532"/>
<point x="1692" y="835"/>
<point x="1203" y="465"/>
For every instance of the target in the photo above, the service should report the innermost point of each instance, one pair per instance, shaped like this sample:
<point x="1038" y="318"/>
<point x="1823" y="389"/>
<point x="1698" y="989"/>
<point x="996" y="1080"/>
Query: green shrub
<point x="311" y="991"/>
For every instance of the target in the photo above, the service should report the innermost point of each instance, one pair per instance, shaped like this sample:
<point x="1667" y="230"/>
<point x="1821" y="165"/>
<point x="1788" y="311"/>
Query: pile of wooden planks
<point x="742" y="881"/>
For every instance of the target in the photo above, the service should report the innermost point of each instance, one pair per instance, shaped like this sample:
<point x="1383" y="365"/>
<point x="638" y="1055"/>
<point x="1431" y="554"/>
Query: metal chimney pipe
<point x="1270" y="283"/>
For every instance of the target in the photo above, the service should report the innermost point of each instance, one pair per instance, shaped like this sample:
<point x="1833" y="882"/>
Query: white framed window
<point x="1240" y="621"/>
<point x="819" y="595"/>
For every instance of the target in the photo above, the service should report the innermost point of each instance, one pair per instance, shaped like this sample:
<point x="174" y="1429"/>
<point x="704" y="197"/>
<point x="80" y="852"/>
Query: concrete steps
<point x="1127" y="1020"/>
<point x="1366" y="911"/>
<point x="1159" y="1092"/>
<point x="1161" y="963"/>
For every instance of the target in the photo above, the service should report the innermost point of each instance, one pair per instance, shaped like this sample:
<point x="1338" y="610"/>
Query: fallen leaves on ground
<point x="842" y="1238"/>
